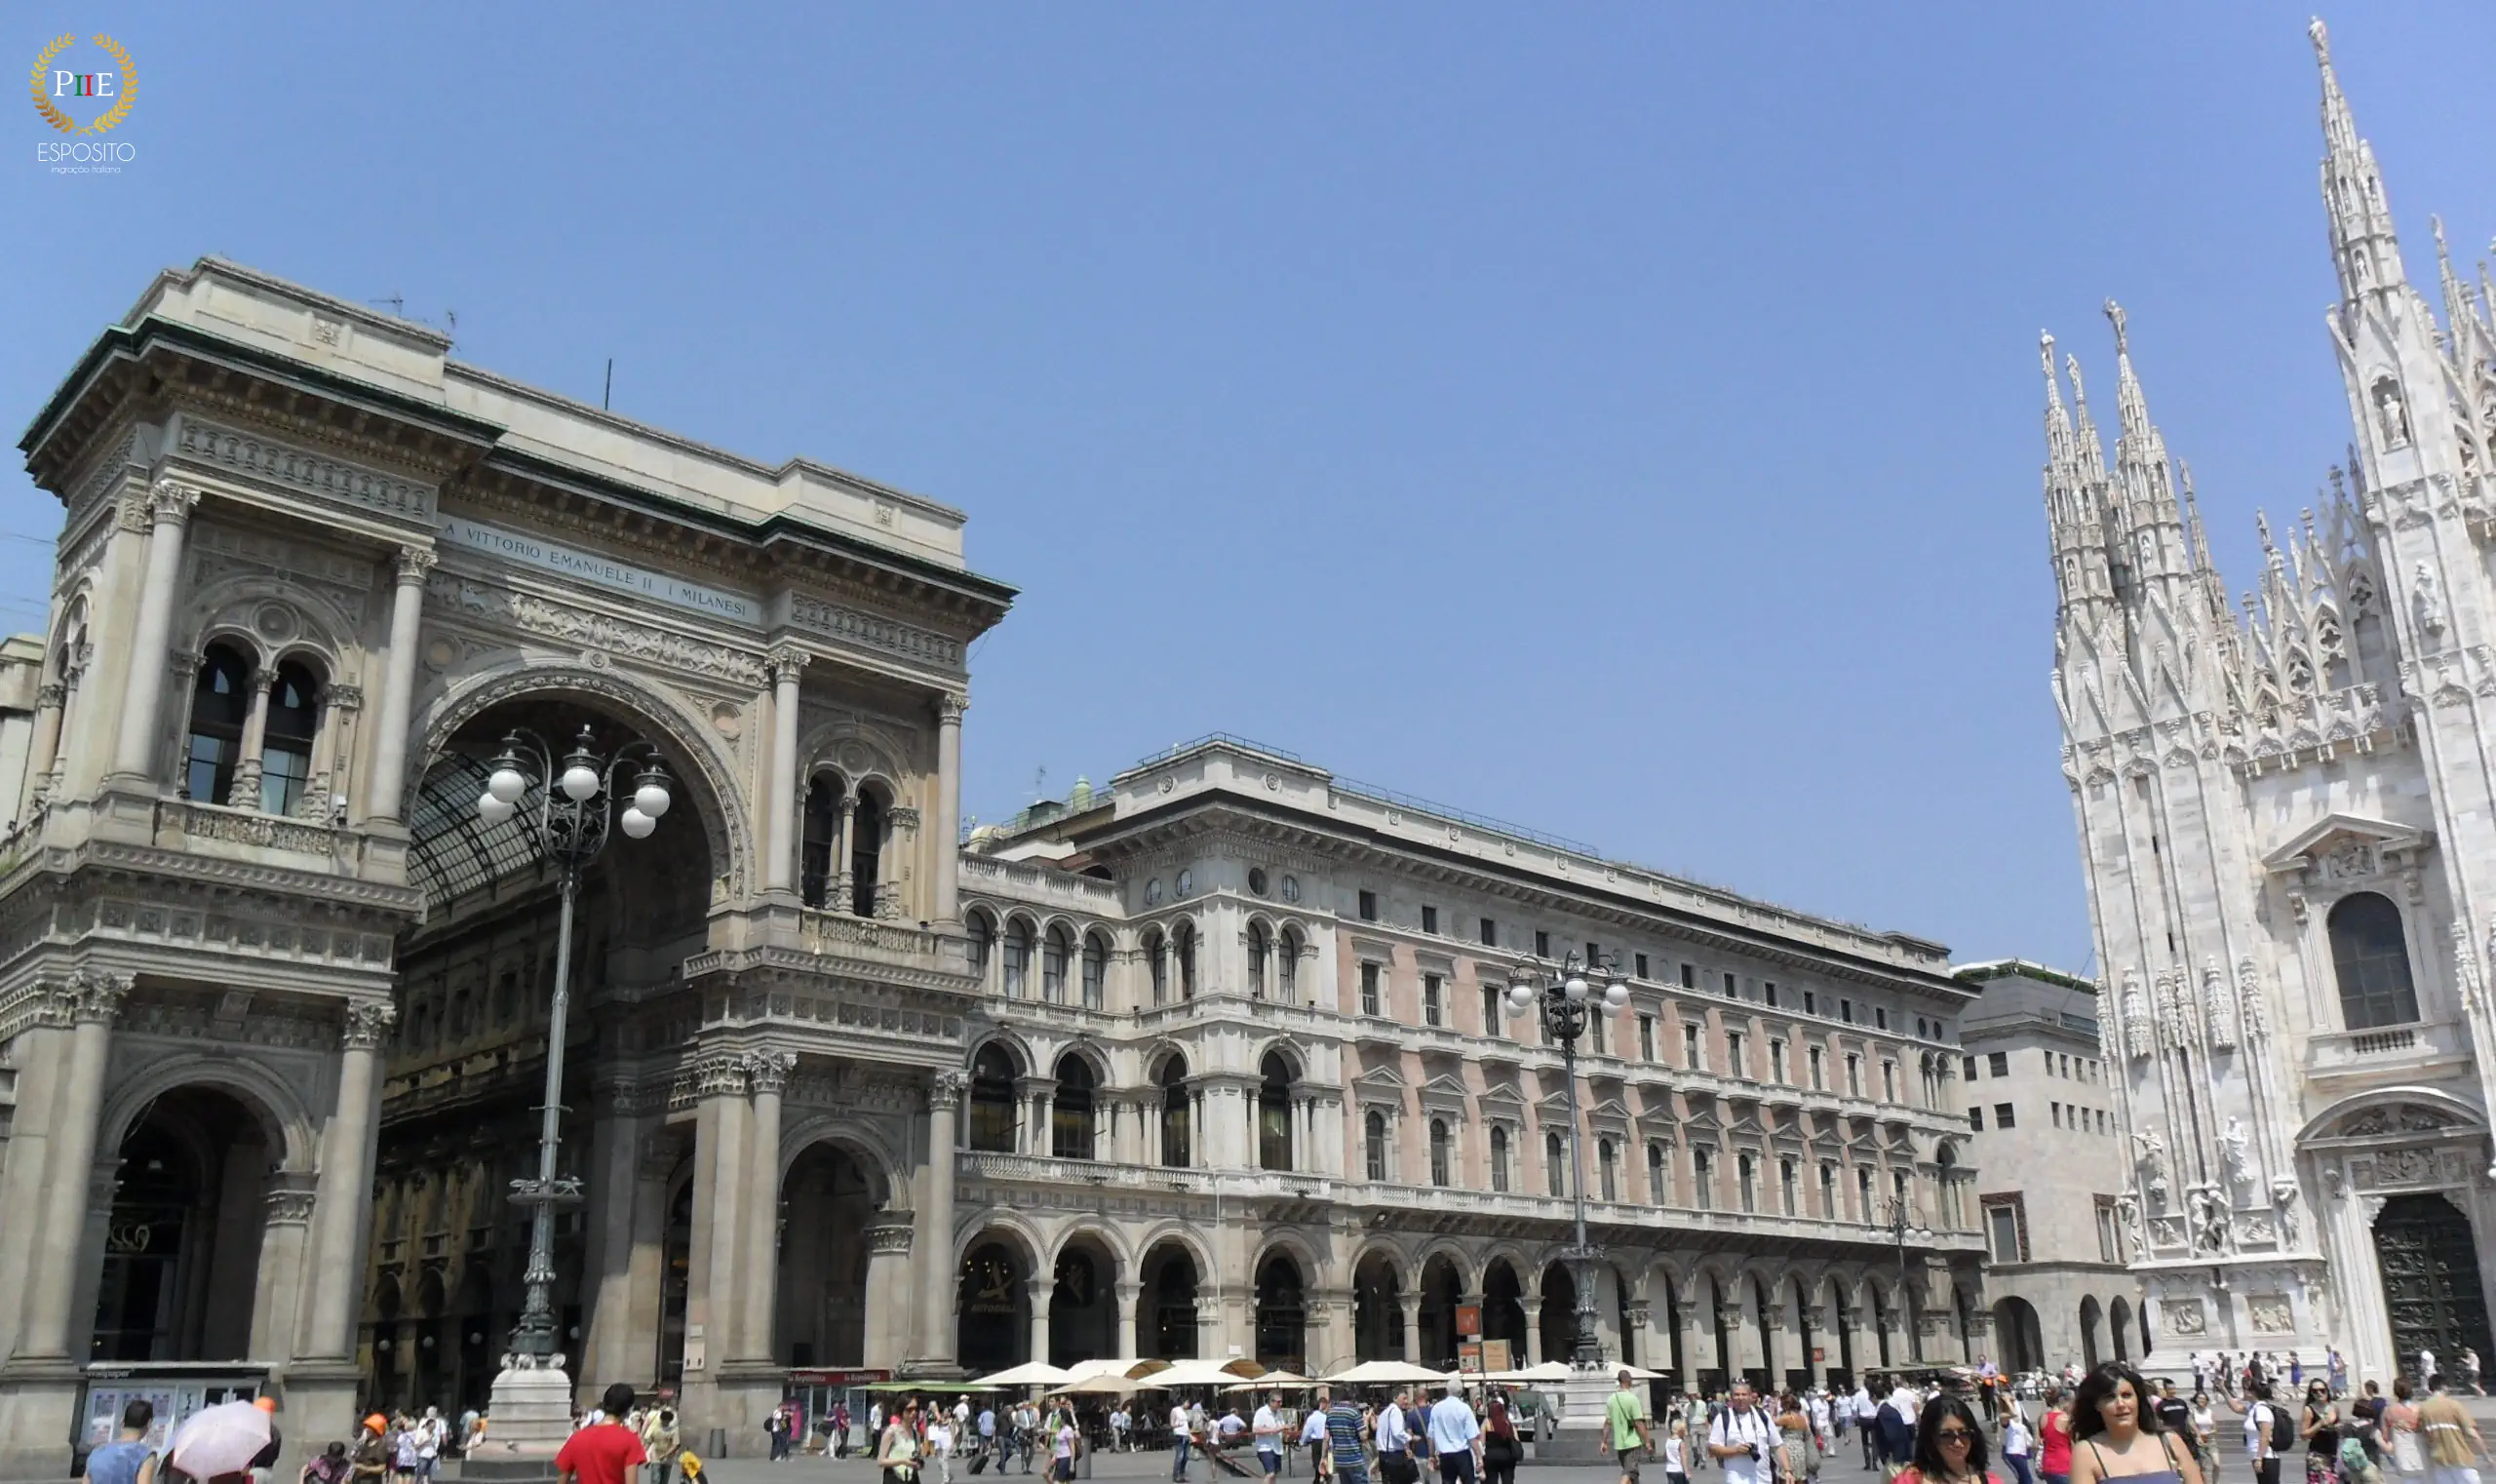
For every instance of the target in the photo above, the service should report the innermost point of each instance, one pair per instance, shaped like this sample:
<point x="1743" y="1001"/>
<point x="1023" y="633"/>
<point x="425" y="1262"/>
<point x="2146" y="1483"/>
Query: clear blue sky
<point x="1618" y="418"/>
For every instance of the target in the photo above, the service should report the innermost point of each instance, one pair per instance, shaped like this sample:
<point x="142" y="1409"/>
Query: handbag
<point x="1399" y="1468"/>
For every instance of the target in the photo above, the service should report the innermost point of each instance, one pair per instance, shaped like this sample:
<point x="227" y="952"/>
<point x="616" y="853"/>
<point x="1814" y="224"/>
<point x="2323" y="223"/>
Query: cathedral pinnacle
<point x="2362" y="242"/>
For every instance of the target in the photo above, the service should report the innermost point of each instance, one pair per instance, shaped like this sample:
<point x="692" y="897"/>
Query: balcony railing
<point x="2349" y="1053"/>
<point x="1021" y="879"/>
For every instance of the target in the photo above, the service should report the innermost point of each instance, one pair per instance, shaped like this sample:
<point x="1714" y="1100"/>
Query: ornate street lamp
<point x="1567" y="998"/>
<point x="564" y="811"/>
<point x="1902" y="1226"/>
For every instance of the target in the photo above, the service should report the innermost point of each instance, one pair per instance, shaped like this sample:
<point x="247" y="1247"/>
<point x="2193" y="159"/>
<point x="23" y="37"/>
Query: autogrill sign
<point x="581" y="567"/>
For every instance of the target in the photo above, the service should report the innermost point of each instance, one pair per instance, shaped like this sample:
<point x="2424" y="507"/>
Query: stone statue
<point x="2427" y="599"/>
<point x="2153" y="1163"/>
<point x="2284" y="1199"/>
<point x="2233" y="1155"/>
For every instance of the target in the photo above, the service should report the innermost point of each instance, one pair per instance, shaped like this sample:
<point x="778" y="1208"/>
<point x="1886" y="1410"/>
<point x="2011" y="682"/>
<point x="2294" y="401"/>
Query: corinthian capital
<point x="414" y="562"/>
<point x="787" y="662"/>
<point x="950" y="704"/>
<point x="768" y="1071"/>
<point x="96" y="995"/>
<point x="367" y="1022"/>
<point x="722" y="1076"/>
<point x="945" y="1091"/>
<point x="170" y="502"/>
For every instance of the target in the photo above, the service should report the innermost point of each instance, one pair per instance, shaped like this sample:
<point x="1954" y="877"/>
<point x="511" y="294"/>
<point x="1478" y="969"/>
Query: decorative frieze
<point x="601" y="632"/>
<point x="295" y="469"/>
<point x="851" y="626"/>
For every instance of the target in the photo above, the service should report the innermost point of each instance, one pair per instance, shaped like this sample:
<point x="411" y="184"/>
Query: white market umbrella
<point x="1192" y="1373"/>
<point x="1102" y="1385"/>
<point x="1550" y="1370"/>
<point x="1279" y="1380"/>
<point x="1386" y="1373"/>
<point x="1035" y="1373"/>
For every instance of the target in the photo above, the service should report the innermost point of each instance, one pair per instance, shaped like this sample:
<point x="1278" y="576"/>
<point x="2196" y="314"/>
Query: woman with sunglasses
<point x="2115" y="1436"/>
<point x="2320" y="1426"/>
<point x="1949" y="1446"/>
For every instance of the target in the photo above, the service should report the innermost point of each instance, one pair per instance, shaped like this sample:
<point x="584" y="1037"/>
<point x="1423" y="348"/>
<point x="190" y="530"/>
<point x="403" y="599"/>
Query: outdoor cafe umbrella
<point x="220" y="1439"/>
<point x="1192" y="1373"/>
<point x="1386" y="1373"/>
<point x="1102" y="1385"/>
<point x="1035" y="1373"/>
<point x="1279" y="1380"/>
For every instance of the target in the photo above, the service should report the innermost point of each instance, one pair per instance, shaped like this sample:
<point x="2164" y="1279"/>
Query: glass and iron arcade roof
<point x="452" y="851"/>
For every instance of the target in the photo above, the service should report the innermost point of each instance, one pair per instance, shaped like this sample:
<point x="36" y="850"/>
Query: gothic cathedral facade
<point x="2288" y="824"/>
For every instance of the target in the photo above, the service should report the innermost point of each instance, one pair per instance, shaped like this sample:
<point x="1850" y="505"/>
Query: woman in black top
<point x="2322" y="1432"/>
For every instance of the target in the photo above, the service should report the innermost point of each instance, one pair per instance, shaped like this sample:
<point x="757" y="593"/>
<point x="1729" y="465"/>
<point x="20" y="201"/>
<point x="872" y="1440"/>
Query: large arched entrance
<point x="1169" y="1274"/>
<point x="829" y="1201"/>
<point x="1504" y="1309"/>
<point x="2118" y="1326"/>
<point x="183" y="1242"/>
<point x="994" y="1307"/>
<point x="1282" y="1315"/>
<point x="2431" y="1282"/>
<point x="1377" y="1309"/>
<point x="2019" y="1335"/>
<point x="1559" y="1312"/>
<point x="1844" y="1372"/>
<point x="467" y="1065"/>
<point x="1083" y="1311"/>
<point x="2093" y="1338"/>
<point x="1442" y="1290"/>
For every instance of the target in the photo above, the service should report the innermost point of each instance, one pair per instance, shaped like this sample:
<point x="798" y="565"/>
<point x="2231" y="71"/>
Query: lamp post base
<point x="530" y="1412"/>
<point x="1572" y="1429"/>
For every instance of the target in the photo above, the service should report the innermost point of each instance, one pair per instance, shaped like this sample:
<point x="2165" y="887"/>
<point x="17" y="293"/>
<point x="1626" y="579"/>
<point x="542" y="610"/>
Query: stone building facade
<point x="1197" y="1063"/>
<point x="2046" y="1136"/>
<point x="2288" y="830"/>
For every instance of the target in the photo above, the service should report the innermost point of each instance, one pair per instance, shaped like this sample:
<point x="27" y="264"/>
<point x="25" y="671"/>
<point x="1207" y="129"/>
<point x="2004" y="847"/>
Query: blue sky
<point x="1618" y="418"/>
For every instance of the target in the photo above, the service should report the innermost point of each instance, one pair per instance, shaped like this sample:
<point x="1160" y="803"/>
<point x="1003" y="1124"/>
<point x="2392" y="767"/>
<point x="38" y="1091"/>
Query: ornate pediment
<point x="2348" y="847"/>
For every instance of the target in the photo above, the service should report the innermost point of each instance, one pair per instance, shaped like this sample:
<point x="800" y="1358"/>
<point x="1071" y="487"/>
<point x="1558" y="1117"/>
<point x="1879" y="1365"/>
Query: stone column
<point x="244" y="791"/>
<point x="780" y="866"/>
<point x="1693" y="1354"/>
<point x="50" y="700"/>
<point x="1410" y="1304"/>
<point x="340" y="1197"/>
<point x="767" y="1073"/>
<point x="948" y="805"/>
<point x="843" y="880"/>
<point x="629" y="1161"/>
<point x="1128" y="1294"/>
<point x="712" y="1254"/>
<point x="329" y="774"/>
<point x="1532" y="1305"/>
<point x="284" y="1239"/>
<point x="936" y="1275"/>
<point x="888" y="1294"/>
<point x="399" y="683"/>
<point x="1043" y="1287"/>
<point x="91" y="1001"/>
<point x="169" y="513"/>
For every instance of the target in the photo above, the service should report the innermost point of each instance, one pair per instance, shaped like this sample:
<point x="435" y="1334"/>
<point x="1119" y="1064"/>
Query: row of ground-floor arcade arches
<point x="2115" y="1330"/>
<point x="1021" y="1299"/>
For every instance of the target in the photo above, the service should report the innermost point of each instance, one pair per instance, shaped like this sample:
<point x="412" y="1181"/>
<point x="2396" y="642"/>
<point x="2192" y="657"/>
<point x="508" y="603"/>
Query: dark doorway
<point x="1170" y="1287"/>
<point x="996" y="1325"/>
<point x="1282" y="1315"/>
<point x="2430" y="1263"/>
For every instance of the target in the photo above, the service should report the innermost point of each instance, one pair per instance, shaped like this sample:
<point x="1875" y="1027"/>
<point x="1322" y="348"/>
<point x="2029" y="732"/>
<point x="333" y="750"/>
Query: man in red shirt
<point x="607" y="1452"/>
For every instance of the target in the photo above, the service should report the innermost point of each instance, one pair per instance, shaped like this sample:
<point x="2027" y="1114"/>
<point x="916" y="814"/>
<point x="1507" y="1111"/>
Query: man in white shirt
<point x="1742" y="1438"/>
<point x="1180" y="1437"/>
<point x="1860" y="1405"/>
<point x="1392" y="1434"/>
<point x="1268" y="1429"/>
<point x="1456" y="1437"/>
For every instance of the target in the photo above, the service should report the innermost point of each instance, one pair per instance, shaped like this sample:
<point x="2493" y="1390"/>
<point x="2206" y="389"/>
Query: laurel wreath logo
<point x="63" y="121"/>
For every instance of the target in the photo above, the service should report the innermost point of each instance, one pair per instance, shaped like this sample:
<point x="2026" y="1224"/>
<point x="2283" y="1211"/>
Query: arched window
<point x="1499" y="1160"/>
<point x="1175" y="1150"/>
<point x="1287" y="967"/>
<point x="1070" y="1111"/>
<point x="1947" y="1174"/>
<point x="1555" y="1166"/>
<point x="866" y="852"/>
<point x="1607" y="1170"/>
<point x="220" y="702"/>
<point x="1055" y="953"/>
<point x="1096" y="972"/>
<point x="1657" y="1190"/>
<point x="815" y="840"/>
<point x="1018" y="958"/>
<point x="285" y="742"/>
<point x="993" y="1100"/>
<point x="1787" y="1193"/>
<point x="1257" y="942"/>
<point x="1183" y="945"/>
<point x="1702" y="1179"/>
<point x="1374" y="1142"/>
<point x="1273" y="1114"/>
<point x="2372" y="960"/>
<point x="1439" y="1173"/>
<point x="1158" y="958"/>
<point x="982" y="946"/>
